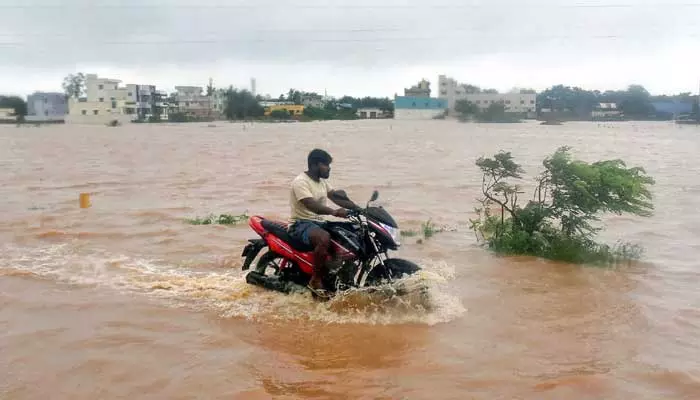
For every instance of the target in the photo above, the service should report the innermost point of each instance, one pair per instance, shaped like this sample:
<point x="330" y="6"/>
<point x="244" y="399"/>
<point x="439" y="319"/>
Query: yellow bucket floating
<point x="85" y="200"/>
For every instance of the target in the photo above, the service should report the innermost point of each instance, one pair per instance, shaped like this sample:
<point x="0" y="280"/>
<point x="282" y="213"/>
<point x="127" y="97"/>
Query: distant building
<point x="106" y="101"/>
<point x="43" y="106"/>
<point x="606" y="111"/>
<point x="671" y="109"/>
<point x="453" y="91"/>
<point x="313" y="100"/>
<point x="411" y="107"/>
<point x="274" y="103"/>
<point x="513" y="102"/>
<point x="7" y="115"/>
<point x="292" y="109"/>
<point x="422" y="89"/>
<point x="192" y="102"/>
<point x="370" y="113"/>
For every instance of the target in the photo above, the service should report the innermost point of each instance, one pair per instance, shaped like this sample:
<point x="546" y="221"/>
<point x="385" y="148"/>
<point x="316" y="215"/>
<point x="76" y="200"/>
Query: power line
<point x="450" y="31"/>
<point x="72" y="42"/>
<point x="339" y="6"/>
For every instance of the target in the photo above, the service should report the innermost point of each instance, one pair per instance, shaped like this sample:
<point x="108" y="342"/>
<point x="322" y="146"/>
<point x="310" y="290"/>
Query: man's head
<point x="319" y="162"/>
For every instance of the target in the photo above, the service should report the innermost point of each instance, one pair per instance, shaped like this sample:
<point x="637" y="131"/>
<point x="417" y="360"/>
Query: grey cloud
<point x="340" y="33"/>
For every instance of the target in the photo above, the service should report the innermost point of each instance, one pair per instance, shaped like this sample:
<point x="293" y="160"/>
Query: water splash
<point x="423" y="298"/>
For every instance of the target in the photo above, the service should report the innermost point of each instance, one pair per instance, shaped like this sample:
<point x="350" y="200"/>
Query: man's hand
<point x="340" y="213"/>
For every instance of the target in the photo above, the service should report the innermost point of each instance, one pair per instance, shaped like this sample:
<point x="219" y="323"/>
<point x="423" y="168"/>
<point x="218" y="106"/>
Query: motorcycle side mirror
<point x="375" y="196"/>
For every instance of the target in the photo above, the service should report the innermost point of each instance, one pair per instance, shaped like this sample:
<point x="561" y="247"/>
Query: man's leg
<point x="320" y="239"/>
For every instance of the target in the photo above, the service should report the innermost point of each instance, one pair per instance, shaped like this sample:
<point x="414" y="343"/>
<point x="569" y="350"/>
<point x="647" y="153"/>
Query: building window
<point x="444" y="93"/>
<point x="114" y="104"/>
<point x="96" y="112"/>
<point x="101" y="87"/>
<point x="84" y="112"/>
<point x="532" y="101"/>
<point x="507" y="101"/>
<point x="130" y="94"/>
<point x="46" y="113"/>
<point x="102" y="99"/>
<point x="522" y="101"/>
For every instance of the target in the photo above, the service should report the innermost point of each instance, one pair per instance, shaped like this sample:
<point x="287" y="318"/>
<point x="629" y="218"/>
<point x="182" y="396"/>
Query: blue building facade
<point x="412" y="107"/>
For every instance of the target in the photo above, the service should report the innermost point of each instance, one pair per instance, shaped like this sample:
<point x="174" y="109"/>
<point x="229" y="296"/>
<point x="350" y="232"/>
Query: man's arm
<point x="319" y="208"/>
<point x="340" y="198"/>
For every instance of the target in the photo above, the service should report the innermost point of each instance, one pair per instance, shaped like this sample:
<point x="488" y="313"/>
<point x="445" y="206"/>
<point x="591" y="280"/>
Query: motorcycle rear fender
<point x="251" y="250"/>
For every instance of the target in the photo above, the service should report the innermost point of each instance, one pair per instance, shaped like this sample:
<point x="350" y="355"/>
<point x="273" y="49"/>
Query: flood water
<point x="125" y="300"/>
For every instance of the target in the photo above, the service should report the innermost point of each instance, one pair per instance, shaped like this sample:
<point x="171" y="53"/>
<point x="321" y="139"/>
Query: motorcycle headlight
<point x="394" y="232"/>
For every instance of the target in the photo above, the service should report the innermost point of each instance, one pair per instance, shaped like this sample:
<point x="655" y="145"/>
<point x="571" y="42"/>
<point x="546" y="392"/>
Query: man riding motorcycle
<point x="309" y="192"/>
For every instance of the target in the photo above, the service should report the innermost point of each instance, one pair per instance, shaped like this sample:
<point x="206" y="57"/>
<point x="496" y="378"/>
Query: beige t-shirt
<point x="304" y="187"/>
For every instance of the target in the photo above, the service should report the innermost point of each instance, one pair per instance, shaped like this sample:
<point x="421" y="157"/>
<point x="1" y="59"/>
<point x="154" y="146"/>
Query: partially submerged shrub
<point x="569" y="196"/>
<point x="222" y="219"/>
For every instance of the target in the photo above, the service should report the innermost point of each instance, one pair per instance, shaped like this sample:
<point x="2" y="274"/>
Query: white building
<point x="370" y="113"/>
<point x="606" y="111"/>
<point x="453" y="91"/>
<point x="7" y="114"/>
<point x="192" y="102"/>
<point x="43" y="106"/>
<point x="106" y="101"/>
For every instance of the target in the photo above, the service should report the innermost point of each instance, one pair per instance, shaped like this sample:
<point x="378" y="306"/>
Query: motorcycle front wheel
<point x="394" y="268"/>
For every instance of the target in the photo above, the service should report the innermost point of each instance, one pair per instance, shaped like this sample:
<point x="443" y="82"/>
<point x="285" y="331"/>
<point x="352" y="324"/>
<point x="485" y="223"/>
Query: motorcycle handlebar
<point x="355" y="212"/>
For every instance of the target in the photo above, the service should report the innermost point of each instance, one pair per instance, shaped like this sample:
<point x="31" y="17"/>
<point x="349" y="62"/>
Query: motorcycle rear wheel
<point x="269" y="264"/>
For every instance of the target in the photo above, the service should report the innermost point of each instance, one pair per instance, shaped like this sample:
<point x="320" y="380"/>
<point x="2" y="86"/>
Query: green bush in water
<point x="569" y="196"/>
<point x="222" y="219"/>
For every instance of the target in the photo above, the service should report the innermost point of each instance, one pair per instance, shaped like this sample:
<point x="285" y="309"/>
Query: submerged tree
<point x="569" y="196"/>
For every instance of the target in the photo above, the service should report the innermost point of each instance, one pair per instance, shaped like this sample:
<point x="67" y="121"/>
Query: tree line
<point x="635" y="102"/>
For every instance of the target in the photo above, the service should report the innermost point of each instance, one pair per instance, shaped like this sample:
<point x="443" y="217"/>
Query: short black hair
<point x="318" y="156"/>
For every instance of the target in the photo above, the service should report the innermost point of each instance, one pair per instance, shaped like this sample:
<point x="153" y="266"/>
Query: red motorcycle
<point x="358" y="254"/>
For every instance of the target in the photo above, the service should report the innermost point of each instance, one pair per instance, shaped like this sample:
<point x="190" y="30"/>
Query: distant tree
<point x="466" y="107"/>
<point x="636" y="102"/>
<point x="471" y="89"/>
<point x="210" y="88"/>
<point x="241" y="104"/>
<point x="494" y="112"/>
<point x="489" y="91"/>
<point x="74" y="85"/>
<point x="383" y="103"/>
<point x="294" y="96"/>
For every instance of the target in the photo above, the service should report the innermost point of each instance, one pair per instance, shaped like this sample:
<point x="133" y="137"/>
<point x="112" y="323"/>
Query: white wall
<point x="452" y="91"/>
<point x="514" y="102"/>
<point x="404" y="113"/>
<point x="100" y="119"/>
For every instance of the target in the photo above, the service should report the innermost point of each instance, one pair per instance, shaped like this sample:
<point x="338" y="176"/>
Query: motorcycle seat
<point x="279" y="229"/>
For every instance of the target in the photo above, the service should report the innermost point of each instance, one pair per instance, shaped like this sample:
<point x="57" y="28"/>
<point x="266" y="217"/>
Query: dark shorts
<point x="300" y="230"/>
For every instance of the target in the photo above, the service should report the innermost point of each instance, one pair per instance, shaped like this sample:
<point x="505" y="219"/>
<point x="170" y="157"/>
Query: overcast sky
<point x="355" y="47"/>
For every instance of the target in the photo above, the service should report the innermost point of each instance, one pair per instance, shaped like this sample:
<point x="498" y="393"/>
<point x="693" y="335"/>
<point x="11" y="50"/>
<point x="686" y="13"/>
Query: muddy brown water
<point x="124" y="300"/>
